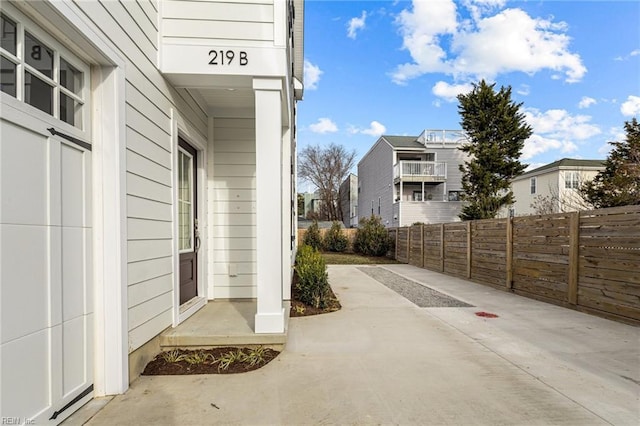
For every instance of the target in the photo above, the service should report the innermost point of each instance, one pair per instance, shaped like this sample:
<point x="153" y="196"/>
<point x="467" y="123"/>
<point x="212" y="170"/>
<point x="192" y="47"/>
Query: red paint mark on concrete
<point x="486" y="314"/>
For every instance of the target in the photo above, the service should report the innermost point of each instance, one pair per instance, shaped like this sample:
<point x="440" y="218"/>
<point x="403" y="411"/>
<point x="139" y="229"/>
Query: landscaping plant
<point x="372" y="238"/>
<point x="312" y="237"/>
<point x="334" y="239"/>
<point x="313" y="280"/>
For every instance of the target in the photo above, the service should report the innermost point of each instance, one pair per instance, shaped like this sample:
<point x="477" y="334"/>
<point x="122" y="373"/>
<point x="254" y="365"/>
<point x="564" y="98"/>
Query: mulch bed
<point x="160" y="367"/>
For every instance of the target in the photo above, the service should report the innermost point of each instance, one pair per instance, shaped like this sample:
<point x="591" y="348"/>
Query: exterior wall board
<point x="430" y="212"/>
<point x="150" y="10"/>
<point x="149" y="101"/>
<point x="233" y="202"/>
<point x="375" y="177"/>
<point x="138" y="15"/>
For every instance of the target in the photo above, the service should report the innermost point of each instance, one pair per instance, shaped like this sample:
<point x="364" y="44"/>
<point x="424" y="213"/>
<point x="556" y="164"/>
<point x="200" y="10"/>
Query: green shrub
<point x="334" y="239"/>
<point x="372" y="238"/>
<point x="313" y="280"/>
<point x="312" y="236"/>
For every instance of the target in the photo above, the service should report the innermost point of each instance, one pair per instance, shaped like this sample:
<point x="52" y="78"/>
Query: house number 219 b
<point x="226" y="57"/>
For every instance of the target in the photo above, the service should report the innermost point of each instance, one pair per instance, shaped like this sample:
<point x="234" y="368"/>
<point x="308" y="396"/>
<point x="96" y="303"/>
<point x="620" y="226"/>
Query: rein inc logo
<point x="16" y="421"/>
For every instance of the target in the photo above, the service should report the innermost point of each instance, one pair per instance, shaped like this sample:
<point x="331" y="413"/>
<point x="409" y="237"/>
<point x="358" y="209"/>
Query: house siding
<point x="150" y="100"/>
<point x="549" y="182"/>
<point x="233" y="196"/>
<point x="430" y="212"/>
<point x="375" y="180"/>
<point x="225" y="23"/>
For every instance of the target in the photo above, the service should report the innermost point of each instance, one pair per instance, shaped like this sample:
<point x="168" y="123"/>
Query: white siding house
<point x="408" y="179"/>
<point x="553" y="188"/>
<point x="146" y="152"/>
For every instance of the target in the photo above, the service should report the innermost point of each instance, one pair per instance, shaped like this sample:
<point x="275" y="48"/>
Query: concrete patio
<point x="383" y="360"/>
<point x="221" y="323"/>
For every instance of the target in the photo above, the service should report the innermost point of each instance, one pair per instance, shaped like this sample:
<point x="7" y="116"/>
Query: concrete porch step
<point x="222" y="323"/>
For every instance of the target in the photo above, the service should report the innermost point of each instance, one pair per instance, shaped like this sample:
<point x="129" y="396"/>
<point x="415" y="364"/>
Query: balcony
<point x="420" y="171"/>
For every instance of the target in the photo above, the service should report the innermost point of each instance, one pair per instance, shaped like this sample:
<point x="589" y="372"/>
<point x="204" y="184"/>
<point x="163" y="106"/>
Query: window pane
<point x="185" y="221"/>
<point x="70" y="78"/>
<point x="38" y="93"/>
<point x="38" y="55"/>
<point x="8" y="77"/>
<point x="70" y="110"/>
<point x="8" y="35"/>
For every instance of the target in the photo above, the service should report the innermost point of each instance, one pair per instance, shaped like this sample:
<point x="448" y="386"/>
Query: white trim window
<point x="571" y="180"/>
<point x="185" y="202"/>
<point x="532" y="185"/>
<point x="38" y="71"/>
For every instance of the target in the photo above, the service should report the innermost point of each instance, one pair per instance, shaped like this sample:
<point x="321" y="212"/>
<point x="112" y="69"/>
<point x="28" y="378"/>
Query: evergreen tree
<point x="619" y="183"/>
<point x="496" y="132"/>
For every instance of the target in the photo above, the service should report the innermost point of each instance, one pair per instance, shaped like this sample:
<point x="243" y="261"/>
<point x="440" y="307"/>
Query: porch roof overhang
<point x="229" y="92"/>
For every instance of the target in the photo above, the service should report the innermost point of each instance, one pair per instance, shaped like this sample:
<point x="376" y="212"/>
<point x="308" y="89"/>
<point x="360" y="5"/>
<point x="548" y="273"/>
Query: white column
<point x="286" y="214"/>
<point x="270" y="313"/>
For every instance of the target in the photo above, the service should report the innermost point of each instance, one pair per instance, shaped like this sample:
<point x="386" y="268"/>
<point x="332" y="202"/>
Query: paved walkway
<point x="383" y="360"/>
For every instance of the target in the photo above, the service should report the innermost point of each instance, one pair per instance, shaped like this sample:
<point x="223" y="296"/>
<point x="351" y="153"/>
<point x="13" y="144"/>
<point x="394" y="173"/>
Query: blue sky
<point x="378" y="67"/>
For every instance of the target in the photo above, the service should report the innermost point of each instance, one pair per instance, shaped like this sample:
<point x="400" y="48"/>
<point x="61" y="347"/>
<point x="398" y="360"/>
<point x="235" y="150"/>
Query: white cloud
<point x="480" y="7"/>
<point x="483" y="47"/>
<point x="559" y="123"/>
<point x="449" y="92"/>
<point x="524" y="90"/>
<point x="356" y="24"/>
<point x="537" y="144"/>
<point x="556" y="129"/>
<point x="586" y="102"/>
<point x="533" y="166"/>
<point x="324" y="125"/>
<point x="375" y="129"/>
<point x="631" y="107"/>
<point x="630" y="55"/>
<point x="617" y="134"/>
<point x="604" y="149"/>
<point x="311" y="76"/>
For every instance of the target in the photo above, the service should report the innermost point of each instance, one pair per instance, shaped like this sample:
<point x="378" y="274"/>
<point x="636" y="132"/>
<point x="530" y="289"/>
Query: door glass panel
<point x="70" y="78"/>
<point x="38" y="55"/>
<point x="8" y="77"/>
<point x="70" y="110"/>
<point x="185" y="214"/>
<point x="38" y="93"/>
<point x="8" y="35"/>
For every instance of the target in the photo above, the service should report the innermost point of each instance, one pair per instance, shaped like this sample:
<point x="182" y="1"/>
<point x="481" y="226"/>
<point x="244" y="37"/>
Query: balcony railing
<point x="420" y="171"/>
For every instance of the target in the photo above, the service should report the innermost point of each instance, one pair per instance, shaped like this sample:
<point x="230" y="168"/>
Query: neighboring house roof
<point x="403" y="141"/>
<point x="567" y="163"/>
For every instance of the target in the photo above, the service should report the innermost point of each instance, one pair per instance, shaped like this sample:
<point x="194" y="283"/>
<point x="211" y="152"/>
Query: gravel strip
<point x="420" y="295"/>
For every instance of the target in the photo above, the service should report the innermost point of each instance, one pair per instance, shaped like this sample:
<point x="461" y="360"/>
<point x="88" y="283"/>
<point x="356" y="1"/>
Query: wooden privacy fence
<point x="588" y="261"/>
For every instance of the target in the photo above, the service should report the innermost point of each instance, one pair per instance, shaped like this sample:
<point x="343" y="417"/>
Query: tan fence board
<point x="597" y="251"/>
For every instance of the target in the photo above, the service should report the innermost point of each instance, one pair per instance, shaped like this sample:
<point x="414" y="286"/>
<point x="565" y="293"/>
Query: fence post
<point x="396" y="245"/>
<point x="422" y="246"/>
<point x="442" y="247"/>
<point x="574" y="252"/>
<point x="469" y="249"/>
<point x="409" y="244"/>
<point x="509" y="254"/>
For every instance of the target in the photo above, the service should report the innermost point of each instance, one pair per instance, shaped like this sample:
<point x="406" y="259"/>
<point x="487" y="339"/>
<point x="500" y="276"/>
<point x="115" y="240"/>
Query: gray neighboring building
<point x="408" y="179"/>
<point x="348" y="195"/>
<point x="312" y="203"/>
